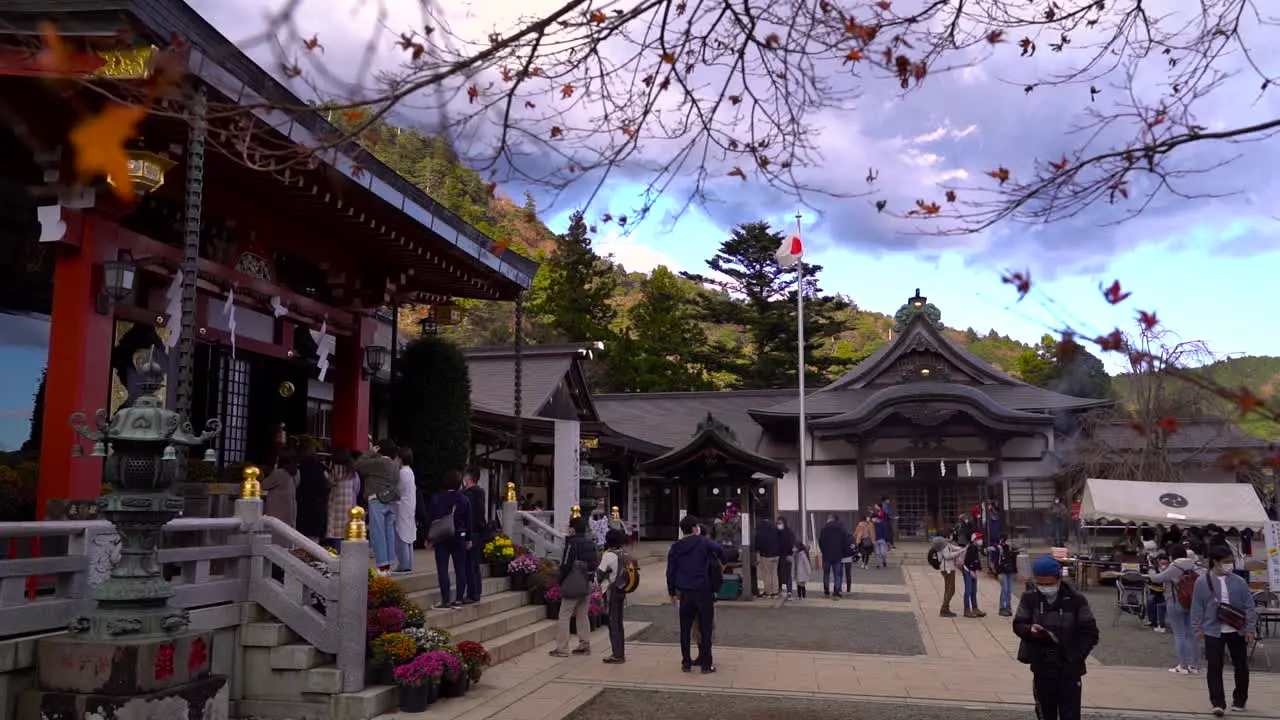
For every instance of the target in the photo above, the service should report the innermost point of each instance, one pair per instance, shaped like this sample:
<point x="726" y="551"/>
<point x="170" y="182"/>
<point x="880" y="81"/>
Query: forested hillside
<point x="1260" y="374"/>
<point x="663" y="331"/>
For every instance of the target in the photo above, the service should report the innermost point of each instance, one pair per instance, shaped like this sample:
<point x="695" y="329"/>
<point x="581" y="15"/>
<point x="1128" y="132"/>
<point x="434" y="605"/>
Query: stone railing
<point x="527" y="529"/>
<point x="245" y="558"/>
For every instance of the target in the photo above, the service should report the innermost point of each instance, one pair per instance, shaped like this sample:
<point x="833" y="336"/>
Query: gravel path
<point x="794" y="626"/>
<point x="1129" y="643"/>
<point x="616" y="704"/>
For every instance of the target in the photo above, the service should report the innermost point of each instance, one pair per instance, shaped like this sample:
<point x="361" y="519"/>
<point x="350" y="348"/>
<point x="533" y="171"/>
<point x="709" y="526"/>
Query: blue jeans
<point x="382" y="532"/>
<point x="970" y="590"/>
<point x="882" y="551"/>
<point x="471" y="590"/>
<point x="1156" y="611"/>
<point x="830" y="570"/>
<point x="446" y="552"/>
<point x="1006" y="591"/>
<point x="1184" y="643"/>
<point x="404" y="556"/>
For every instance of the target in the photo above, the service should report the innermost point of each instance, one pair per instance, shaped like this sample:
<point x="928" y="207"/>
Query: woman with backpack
<point x="1179" y="580"/>
<point x="620" y="575"/>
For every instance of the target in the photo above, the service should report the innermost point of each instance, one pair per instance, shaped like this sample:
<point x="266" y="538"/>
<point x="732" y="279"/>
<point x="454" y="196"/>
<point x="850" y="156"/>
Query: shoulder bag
<point x="577" y="584"/>
<point x="1228" y="614"/>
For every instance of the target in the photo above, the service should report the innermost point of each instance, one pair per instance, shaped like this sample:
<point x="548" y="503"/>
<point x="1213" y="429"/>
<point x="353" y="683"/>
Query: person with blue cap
<point x="1058" y="631"/>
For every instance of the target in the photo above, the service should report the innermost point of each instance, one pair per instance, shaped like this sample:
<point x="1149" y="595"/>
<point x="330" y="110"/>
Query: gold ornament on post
<point x="286" y="389"/>
<point x="356" y="528"/>
<point x="575" y="512"/>
<point x="511" y="492"/>
<point x="614" y="513"/>
<point x="251" y="489"/>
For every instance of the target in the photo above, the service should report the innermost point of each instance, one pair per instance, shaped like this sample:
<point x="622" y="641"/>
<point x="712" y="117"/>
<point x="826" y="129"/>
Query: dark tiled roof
<point x="715" y="436"/>
<point x="826" y="403"/>
<point x="1191" y="436"/>
<point x="671" y="419"/>
<point x="885" y="400"/>
<point x="493" y="381"/>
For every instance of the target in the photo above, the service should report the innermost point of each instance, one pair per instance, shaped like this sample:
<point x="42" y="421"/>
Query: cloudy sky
<point x="1201" y="263"/>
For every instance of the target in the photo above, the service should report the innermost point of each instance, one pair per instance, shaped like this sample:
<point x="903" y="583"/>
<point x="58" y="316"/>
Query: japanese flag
<point x="790" y="251"/>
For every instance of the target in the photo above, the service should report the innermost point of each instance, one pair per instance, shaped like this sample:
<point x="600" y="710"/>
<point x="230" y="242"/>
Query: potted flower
<point x="498" y="552"/>
<point x="521" y="568"/>
<point x="419" y="681"/>
<point x="385" y="620"/>
<point x="390" y="651"/>
<point x="551" y="596"/>
<point x="475" y="658"/>
<point x="454" y="681"/>
<point x="538" y="582"/>
<point x="385" y="592"/>
<point x="596" y="608"/>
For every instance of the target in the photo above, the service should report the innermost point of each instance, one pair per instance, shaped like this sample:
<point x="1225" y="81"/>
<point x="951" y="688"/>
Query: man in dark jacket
<point x="689" y="586"/>
<point x="766" y="543"/>
<point x="473" y="549"/>
<point x="834" y="541"/>
<point x="1058" y="632"/>
<point x="452" y="548"/>
<point x="786" y="551"/>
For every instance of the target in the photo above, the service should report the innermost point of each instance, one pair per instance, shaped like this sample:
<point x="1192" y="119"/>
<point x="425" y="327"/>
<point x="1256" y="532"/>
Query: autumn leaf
<point x="597" y="17"/>
<point x="606" y="218"/>
<point x="491" y="188"/>
<point x="567" y="91"/>
<point x="353" y="116"/>
<point x="556" y="131"/>
<point x="290" y="71"/>
<point x="1113" y="293"/>
<point x="99" y="143"/>
<point x="668" y="58"/>
<point x="1168" y="425"/>
<point x="530" y="104"/>
<point x="995" y="37"/>
<point x="881" y="205"/>
<point x="55" y="56"/>
<point x="735" y="99"/>
<point x="1111" y="342"/>
<point x="738" y="173"/>
<point x="931" y="208"/>
<point x="772" y="41"/>
<point x="1147" y="320"/>
<point x="1028" y="47"/>
<point x="951" y="196"/>
<point x="1020" y="280"/>
<point x="473" y="92"/>
<point x="313" y="44"/>
<point x="629" y="132"/>
<point x="853" y="56"/>
<point x="884" y="5"/>
<point x="357" y="171"/>
<point x="500" y="246"/>
<point x="1001" y="173"/>
<point x="1245" y="400"/>
<point x="1120" y="188"/>
<point x="1059" y="165"/>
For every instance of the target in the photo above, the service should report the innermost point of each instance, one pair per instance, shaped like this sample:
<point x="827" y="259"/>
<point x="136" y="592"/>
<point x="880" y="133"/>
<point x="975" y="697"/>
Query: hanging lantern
<point x="99" y="449"/>
<point x="211" y="456"/>
<point x="968" y="469"/>
<point x="146" y="170"/>
<point x="913" y="468"/>
<point x="170" y="454"/>
<point x="942" y="467"/>
<point x="888" y="468"/>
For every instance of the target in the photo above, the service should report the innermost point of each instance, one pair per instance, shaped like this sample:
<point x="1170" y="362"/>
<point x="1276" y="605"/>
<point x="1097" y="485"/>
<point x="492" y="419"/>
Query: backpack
<point x="1187" y="588"/>
<point x="627" y="577"/>
<point x="935" y="560"/>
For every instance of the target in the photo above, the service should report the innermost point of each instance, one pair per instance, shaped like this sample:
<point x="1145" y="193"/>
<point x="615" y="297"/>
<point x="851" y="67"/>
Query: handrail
<point x="278" y="527"/>
<point x="530" y="530"/>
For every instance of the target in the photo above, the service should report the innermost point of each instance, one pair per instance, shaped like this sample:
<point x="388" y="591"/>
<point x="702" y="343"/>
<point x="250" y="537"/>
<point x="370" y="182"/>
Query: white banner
<point x="1272" y="533"/>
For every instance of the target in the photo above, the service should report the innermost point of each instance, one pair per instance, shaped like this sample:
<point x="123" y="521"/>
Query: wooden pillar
<point x="351" y="389"/>
<point x="79" y="377"/>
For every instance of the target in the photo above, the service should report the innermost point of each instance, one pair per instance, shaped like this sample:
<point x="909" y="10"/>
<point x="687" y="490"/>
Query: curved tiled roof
<point x="933" y="397"/>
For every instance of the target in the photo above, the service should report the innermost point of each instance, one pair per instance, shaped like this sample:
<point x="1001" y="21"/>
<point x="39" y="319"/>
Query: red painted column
<point x="79" y="359"/>
<point x="351" y="389"/>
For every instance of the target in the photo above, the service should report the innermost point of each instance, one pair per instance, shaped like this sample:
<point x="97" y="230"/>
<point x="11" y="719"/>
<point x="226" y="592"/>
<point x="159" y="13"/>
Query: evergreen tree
<point x="1078" y="373"/>
<point x="433" y="408"/>
<point x="755" y="293"/>
<point x="659" y="351"/>
<point x="574" y="288"/>
<point x="32" y="445"/>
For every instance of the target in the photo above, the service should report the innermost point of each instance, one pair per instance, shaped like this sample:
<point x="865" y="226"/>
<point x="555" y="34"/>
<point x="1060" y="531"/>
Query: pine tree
<point x="659" y="349"/>
<point x="574" y="288"/>
<point x="433" y="408"/>
<point x="758" y="295"/>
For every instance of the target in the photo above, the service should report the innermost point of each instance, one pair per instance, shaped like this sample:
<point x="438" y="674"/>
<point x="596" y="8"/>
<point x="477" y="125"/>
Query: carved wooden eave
<point x="929" y="405"/>
<point x="713" y="444"/>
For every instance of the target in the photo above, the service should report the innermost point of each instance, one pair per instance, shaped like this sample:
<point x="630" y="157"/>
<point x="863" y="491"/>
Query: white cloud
<point x="632" y="253"/>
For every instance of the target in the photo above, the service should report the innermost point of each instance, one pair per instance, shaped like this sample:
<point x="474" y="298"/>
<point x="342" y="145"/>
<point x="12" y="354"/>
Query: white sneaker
<point x="1179" y="670"/>
<point x="1160" y="630"/>
<point x="1219" y="712"/>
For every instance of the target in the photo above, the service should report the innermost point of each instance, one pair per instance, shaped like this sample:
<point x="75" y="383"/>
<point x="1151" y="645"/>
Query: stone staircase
<point x="284" y="678"/>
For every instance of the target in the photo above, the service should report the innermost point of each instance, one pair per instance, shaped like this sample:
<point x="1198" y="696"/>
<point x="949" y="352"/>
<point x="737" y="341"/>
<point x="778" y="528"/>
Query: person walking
<point x="948" y="557"/>
<point x="343" y="485"/>
<point x="833" y="542"/>
<point x="1057" y="632"/>
<point x="577" y="571"/>
<point x="971" y="567"/>
<point x="1179" y="581"/>
<point x="377" y="470"/>
<point x="280" y="489"/>
<point x="473" y="548"/>
<point x="1006" y="566"/>
<point x="881" y="525"/>
<point x="786" y="548"/>
<point x="864" y="539"/>
<point x="406" y="513"/>
<point x="887" y="509"/>
<point x="766" y="542"/>
<point x="689" y="586"/>
<point x="616" y="567"/>
<point x="1058" y="516"/>
<point x="448" y="531"/>
<point x="1224" y="616"/>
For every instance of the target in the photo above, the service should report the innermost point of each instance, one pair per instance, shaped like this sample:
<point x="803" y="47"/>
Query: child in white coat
<point x="801" y="569"/>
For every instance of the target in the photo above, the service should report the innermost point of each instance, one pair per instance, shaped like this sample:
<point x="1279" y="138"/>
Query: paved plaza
<point x="941" y="669"/>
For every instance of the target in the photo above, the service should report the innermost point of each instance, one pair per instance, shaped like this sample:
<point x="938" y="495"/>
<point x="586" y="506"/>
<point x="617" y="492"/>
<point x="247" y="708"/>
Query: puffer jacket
<point x="1070" y="621"/>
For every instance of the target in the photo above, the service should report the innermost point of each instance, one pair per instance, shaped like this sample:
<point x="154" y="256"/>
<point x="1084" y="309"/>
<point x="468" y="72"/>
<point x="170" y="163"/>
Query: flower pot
<point x="455" y="688"/>
<point x="537" y="598"/>
<point x="519" y="581"/>
<point x="553" y="610"/>
<point x="417" y="698"/>
<point x="475" y="676"/>
<point x="497" y="569"/>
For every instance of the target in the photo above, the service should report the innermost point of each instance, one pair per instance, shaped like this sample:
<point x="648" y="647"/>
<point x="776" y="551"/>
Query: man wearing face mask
<point x="1224" y="615"/>
<point x="1058" y="631"/>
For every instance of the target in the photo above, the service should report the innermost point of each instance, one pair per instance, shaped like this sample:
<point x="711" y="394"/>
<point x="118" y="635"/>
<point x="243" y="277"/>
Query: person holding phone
<point x="1058" y="631"/>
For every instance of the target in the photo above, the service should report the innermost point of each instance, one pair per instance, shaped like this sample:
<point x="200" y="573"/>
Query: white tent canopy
<point x="1227" y="505"/>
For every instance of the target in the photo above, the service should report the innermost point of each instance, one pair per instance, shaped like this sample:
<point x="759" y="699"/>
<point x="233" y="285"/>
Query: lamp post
<point x="141" y="446"/>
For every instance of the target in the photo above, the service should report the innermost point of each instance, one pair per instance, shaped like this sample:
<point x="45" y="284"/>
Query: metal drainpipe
<point x="518" y="473"/>
<point x="391" y="371"/>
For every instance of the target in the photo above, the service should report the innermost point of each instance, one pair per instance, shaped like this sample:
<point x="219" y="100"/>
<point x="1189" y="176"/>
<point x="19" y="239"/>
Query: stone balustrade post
<point x="510" y="524"/>
<point x="353" y="602"/>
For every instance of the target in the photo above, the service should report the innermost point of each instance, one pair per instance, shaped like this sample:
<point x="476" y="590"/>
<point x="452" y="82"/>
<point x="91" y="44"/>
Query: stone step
<point x="488" y="586"/>
<point x="488" y="606"/>
<point x="494" y="626"/>
<point x="266" y="634"/>
<point x="262" y="681"/>
<point x="425" y="578"/>
<point x="298" y="656"/>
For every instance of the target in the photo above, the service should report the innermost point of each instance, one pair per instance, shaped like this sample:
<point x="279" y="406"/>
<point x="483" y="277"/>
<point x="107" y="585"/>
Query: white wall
<point x="830" y="487"/>
<point x="832" y="450"/>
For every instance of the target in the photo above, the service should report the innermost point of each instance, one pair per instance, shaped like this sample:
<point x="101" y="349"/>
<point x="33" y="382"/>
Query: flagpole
<point x="804" y="511"/>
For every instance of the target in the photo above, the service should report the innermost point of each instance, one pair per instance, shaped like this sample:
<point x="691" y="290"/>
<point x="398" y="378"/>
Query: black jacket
<point x="1071" y="622"/>
<point x="1006" y="559"/>
<point x="687" y="563"/>
<point x="834" y="542"/>
<point x="766" y="539"/>
<point x="479" y="525"/>
<point x="786" y="542"/>
<point x="973" y="557"/>
<point x="579" y="548"/>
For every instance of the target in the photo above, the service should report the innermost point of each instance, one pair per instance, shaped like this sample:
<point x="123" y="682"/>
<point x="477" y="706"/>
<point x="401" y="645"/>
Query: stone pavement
<point x="969" y="663"/>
